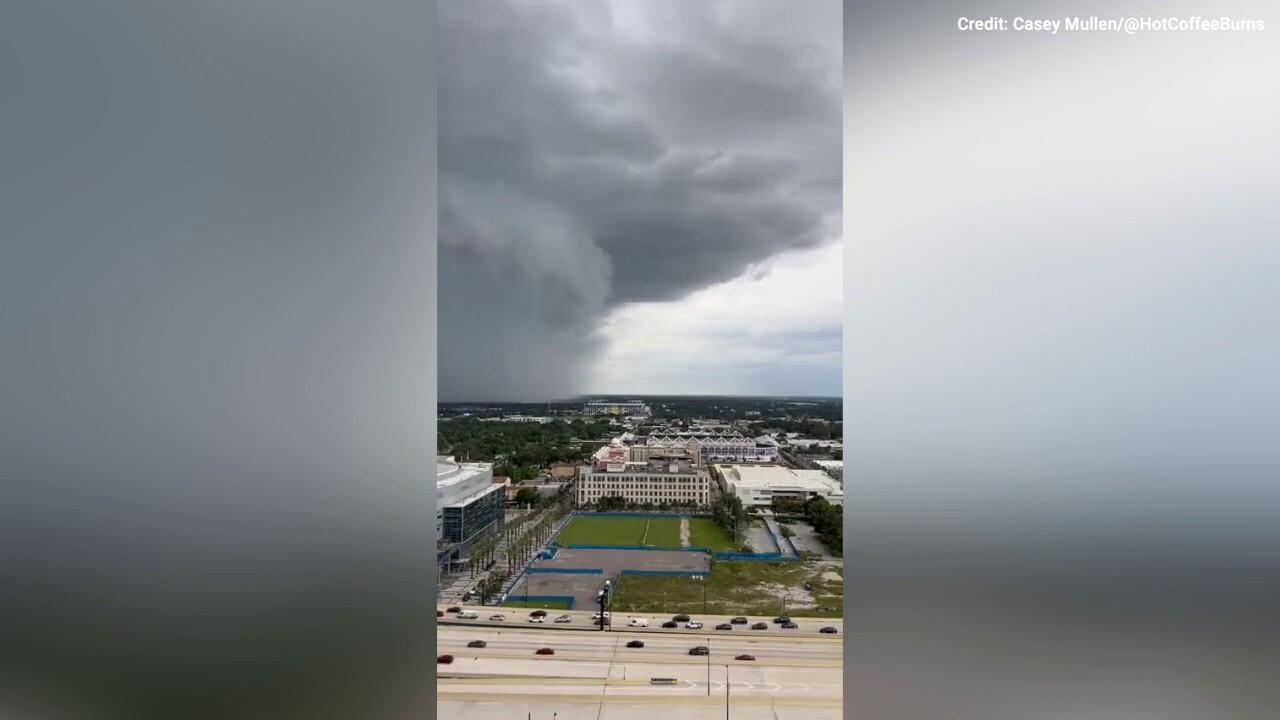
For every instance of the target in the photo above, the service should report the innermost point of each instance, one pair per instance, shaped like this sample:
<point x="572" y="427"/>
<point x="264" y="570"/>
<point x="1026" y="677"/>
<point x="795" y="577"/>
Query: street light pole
<point x="708" y="667"/>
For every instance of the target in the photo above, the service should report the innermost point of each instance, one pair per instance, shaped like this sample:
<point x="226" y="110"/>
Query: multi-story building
<point x="469" y="506"/>
<point x="654" y="482"/>
<point x="716" y="445"/>
<point x="760" y="485"/>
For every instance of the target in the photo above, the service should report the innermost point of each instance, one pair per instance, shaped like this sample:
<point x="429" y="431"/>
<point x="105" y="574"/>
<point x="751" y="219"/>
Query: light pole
<point x="603" y="599"/>
<point x="708" y="667"/>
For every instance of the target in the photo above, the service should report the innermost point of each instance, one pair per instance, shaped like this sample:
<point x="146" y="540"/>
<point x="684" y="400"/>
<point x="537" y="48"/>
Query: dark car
<point x="670" y="624"/>
<point x="789" y="626"/>
<point x="700" y="650"/>
<point x="782" y="619"/>
<point x="739" y="621"/>
<point x="444" y="659"/>
<point x="545" y="651"/>
<point x="828" y="630"/>
<point x="439" y="613"/>
<point x="455" y="608"/>
<point x="745" y="657"/>
<point x="724" y="626"/>
<point x="760" y="626"/>
<point x="538" y="613"/>
<point x="636" y="644"/>
<point x="681" y="618"/>
<point x="478" y="644"/>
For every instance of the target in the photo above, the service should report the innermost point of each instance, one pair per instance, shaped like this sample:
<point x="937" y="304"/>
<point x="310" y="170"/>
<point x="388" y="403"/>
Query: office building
<point x="760" y="485"/>
<point x="652" y="482"/>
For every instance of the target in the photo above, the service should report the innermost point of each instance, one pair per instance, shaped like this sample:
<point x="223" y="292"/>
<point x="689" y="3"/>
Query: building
<point x="760" y="485"/>
<point x="834" y="468"/>
<point x="635" y="408"/>
<point x="715" y="445"/>
<point x="652" y="482"/>
<point x="469" y="506"/>
<point x="562" y="471"/>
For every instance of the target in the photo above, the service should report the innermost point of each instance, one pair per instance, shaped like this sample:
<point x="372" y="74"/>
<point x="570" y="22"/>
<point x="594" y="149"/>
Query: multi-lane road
<point x="582" y="621"/>
<point x="794" y="674"/>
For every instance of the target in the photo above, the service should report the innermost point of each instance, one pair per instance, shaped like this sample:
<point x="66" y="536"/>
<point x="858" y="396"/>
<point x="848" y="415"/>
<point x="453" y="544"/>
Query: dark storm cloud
<point x="586" y="162"/>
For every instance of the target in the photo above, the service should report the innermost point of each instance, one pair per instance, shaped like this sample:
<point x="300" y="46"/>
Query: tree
<point x="527" y="496"/>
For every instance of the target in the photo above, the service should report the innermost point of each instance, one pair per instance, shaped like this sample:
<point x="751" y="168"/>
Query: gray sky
<point x="639" y="197"/>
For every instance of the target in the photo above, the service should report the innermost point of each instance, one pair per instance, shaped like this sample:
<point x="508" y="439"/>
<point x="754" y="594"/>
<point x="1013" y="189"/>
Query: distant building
<point x="653" y="482"/>
<point x="717" y="445"/>
<point x="563" y="471"/>
<point x="834" y="468"/>
<point x="635" y="408"/>
<point x="760" y="485"/>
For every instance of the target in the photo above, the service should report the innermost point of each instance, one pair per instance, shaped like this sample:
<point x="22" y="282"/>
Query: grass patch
<point x="734" y="588"/>
<point x="621" y="531"/>
<point x="664" y="532"/>
<point x="707" y="533"/>
<point x="545" y="605"/>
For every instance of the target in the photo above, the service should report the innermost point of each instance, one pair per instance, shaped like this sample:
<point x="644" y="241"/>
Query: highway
<point x="791" y="676"/>
<point x="582" y="621"/>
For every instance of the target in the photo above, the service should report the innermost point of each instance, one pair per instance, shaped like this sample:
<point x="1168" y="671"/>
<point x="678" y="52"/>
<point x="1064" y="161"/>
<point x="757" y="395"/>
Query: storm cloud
<point x="593" y="155"/>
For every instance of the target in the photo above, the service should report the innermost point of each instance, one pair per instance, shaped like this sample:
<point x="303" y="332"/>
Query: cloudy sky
<point x="639" y="197"/>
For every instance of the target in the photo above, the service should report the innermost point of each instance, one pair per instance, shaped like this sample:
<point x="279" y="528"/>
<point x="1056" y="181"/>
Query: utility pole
<point x="727" y="685"/>
<point x="708" y="667"/>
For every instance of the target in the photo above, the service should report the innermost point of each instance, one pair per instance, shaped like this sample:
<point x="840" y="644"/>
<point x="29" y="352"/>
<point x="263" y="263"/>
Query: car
<point x="477" y="644"/>
<point x="498" y="618"/>
<point x="828" y="630"/>
<point x="596" y="615"/>
<point x="538" y="613"/>
<point x="781" y="619"/>
<point x="693" y="625"/>
<point x="544" y="651"/>
<point x="789" y="626"/>
<point x="700" y="650"/>
<point x="636" y="644"/>
<point x="564" y="619"/>
<point x="444" y="659"/>
<point x="739" y="620"/>
<point x="439" y="613"/>
<point x="745" y="657"/>
<point x="537" y="619"/>
<point x="724" y="626"/>
<point x="670" y="624"/>
<point x="681" y="618"/>
<point x="455" y="608"/>
<point x="760" y="626"/>
<point x="638" y="622"/>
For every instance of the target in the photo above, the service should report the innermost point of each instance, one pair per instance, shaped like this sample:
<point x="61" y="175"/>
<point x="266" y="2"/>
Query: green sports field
<point x="661" y="531"/>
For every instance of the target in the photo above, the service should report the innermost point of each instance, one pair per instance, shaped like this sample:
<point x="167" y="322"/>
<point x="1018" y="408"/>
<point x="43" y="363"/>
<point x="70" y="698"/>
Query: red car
<point x="439" y="613"/>
<point x="545" y="651"/>
<point x="444" y="659"/>
<point x="745" y="657"/>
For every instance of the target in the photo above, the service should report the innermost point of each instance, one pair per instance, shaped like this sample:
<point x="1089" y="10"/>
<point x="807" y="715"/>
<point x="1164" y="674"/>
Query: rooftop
<point x="777" y="477"/>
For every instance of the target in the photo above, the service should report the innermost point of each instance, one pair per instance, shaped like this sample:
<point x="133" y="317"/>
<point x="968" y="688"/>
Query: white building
<point x="655" y="482"/>
<point x="715" y="445"/>
<point x="759" y="485"/>
<point x="468" y="502"/>
<point x="834" y="468"/>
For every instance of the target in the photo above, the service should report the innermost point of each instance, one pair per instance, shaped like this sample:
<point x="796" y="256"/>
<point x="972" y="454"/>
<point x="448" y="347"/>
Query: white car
<point x="498" y="618"/>
<point x="564" y="619"/>
<point x="537" y="619"/>
<point x="693" y="625"/>
<point x="638" y="622"/>
<point x="596" y="615"/>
